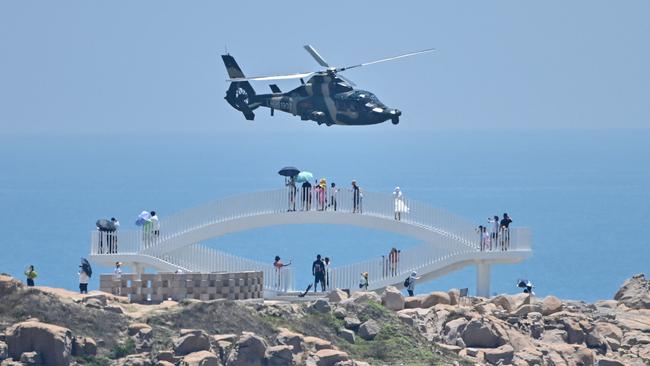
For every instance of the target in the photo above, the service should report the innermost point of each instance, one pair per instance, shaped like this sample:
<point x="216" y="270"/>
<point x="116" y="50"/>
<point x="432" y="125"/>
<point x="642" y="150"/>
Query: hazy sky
<point x="139" y="66"/>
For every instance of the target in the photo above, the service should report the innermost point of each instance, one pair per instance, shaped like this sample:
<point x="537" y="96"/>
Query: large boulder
<point x="413" y="302"/>
<point x="320" y="306"/>
<point x="347" y="334"/>
<point x="136" y="328"/>
<point x="316" y="344"/>
<point x="635" y="292"/>
<point x="84" y="346"/>
<point x="52" y="342"/>
<point x="575" y="333"/>
<point x="250" y="350"/>
<point x="200" y="358"/>
<point x="435" y="298"/>
<point x="337" y="295"/>
<point x="503" y="302"/>
<point x="551" y="305"/>
<point x="351" y="322"/>
<point x="608" y="362"/>
<point x="454" y="328"/>
<point x="190" y="341"/>
<point x="361" y="297"/>
<point x="524" y="309"/>
<point x="575" y="355"/>
<point x="140" y="359"/>
<point x="480" y="334"/>
<point x="279" y="355"/>
<point x="500" y="355"/>
<point x="369" y="330"/>
<point x="9" y="285"/>
<point x="289" y="338"/>
<point x="392" y="298"/>
<point x="330" y="357"/>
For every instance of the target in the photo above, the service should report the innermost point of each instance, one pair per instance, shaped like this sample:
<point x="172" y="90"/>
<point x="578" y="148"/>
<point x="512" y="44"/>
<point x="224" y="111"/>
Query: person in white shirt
<point x="155" y="224"/>
<point x="494" y="229"/>
<point x="83" y="281"/>
<point x="117" y="277"/>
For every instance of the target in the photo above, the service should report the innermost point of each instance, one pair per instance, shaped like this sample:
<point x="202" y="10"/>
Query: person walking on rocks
<point x="318" y="270"/>
<point x="31" y="274"/>
<point x="410" y="283"/>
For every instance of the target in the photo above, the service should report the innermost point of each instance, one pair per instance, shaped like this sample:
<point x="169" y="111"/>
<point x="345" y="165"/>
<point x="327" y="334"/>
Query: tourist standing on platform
<point x="278" y="271"/>
<point x="409" y="283"/>
<point x="306" y="196"/>
<point x="363" y="282"/>
<point x="400" y="206"/>
<point x="505" y="231"/>
<point x="112" y="236"/>
<point x="321" y="194"/>
<point x="83" y="280"/>
<point x="155" y="224"/>
<point x="356" y="197"/>
<point x="117" y="277"/>
<point x="494" y="229"/>
<point x="318" y="270"/>
<point x="31" y="275"/>
<point x="333" y="195"/>
<point x="326" y="261"/>
<point x="291" y="184"/>
<point x="393" y="259"/>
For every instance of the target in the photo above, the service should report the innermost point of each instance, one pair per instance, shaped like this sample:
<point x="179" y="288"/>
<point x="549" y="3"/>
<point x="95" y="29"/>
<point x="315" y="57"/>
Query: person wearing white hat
<point x="400" y="206"/>
<point x="409" y="283"/>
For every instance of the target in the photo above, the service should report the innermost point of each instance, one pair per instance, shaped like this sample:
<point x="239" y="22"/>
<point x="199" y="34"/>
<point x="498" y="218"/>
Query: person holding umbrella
<point x="85" y="272"/>
<point x="289" y="173"/>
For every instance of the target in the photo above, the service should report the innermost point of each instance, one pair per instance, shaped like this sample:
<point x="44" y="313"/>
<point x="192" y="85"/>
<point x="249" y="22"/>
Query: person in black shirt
<point x="318" y="270"/>
<point x="505" y="231"/>
<point x="356" y="197"/>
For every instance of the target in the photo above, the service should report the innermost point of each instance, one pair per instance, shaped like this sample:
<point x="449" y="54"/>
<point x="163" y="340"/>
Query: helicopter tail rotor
<point x="240" y="94"/>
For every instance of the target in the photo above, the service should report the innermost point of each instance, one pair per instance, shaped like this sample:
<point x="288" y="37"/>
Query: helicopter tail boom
<point x="240" y="94"/>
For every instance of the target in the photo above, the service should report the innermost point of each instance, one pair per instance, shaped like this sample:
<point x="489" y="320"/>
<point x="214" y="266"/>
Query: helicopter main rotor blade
<point x="346" y="80"/>
<point x="312" y="51"/>
<point x="274" y="77"/>
<point x="386" y="59"/>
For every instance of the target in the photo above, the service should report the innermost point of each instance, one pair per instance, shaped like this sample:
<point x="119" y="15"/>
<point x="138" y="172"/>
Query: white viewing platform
<point x="448" y="242"/>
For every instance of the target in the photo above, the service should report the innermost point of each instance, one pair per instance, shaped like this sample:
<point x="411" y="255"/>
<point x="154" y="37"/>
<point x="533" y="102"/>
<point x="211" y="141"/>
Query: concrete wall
<point x="177" y="286"/>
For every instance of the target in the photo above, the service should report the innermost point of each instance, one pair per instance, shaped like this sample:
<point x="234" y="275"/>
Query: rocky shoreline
<point x="43" y="326"/>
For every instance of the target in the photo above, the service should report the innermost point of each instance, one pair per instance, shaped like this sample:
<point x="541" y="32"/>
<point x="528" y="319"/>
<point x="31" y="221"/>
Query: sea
<point x="584" y="194"/>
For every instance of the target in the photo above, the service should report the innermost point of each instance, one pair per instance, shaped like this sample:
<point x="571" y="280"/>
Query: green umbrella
<point x="304" y="176"/>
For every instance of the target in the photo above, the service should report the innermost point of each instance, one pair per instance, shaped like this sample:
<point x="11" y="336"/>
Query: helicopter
<point x="326" y="98"/>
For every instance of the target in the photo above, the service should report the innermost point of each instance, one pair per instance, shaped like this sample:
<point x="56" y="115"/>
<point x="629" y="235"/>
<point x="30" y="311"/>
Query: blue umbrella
<point x="304" y="176"/>
<point x="143" y="218"/>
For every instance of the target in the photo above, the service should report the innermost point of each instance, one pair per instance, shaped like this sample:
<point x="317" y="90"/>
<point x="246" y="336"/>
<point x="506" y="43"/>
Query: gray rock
<point x="320" y="306"/>
<point x="289" y="338"/>
<point x="114" y="309"/>
<point x="369" y="330"/>
<point x="31" y="359"/>
<point x="52" y="342"/>
<point x="190" y="341"/>
<point x="141" y="359"/>
<point x="84" y="346"/>
<point x="330" y="357"/>
<point x="351" y="322"/>
<point x="500" y="355"/>
<point x="4" y="351"/>
<point x="608" y="362"/>
<point x="454" y="328"/>
<point x="250" y="350"/>
<point x="279" y="356"/>
<point x="524" y="309"/>
<point x="551" y="305"/>
<point x="347" y="334"/>
<point x="94" y="303"/>
<point x="337" y="295"/>
<point x="434" y="298"/>
<point x="574" y="331"/>
<point x="392" y="299"/>
<point x="200" y="358"/>
<point x="340" y="313"/>
<point x="635" y="292"/>
<point x="167" y="356"/>
<point x="479" y="334"/>
<point x="97" y="299"/>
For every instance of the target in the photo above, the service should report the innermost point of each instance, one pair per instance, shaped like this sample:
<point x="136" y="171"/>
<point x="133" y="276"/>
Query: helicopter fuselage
<point x="328" y="100"/>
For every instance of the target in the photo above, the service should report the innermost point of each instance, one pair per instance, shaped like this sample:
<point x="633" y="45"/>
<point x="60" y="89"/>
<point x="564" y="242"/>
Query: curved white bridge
<point x="448" y="242"/>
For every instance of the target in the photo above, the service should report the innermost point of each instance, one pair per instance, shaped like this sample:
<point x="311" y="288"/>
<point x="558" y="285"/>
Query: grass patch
<point x="122" y="349"/>
<point x="93" y="360"/>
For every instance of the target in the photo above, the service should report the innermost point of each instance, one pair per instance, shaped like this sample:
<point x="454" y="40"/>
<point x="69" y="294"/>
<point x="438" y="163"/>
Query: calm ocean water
<point x="585" y="194"/>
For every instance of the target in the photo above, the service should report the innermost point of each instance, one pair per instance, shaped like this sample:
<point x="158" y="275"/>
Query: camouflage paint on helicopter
<point x="326" y="97"/>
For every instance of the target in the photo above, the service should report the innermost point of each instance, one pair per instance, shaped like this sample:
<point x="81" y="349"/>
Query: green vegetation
<point x="93" y="361"/>
<point x="123" y="349"/>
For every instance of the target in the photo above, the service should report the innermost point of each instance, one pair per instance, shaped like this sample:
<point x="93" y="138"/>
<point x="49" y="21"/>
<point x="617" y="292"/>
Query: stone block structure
<point x="177" y="286"/>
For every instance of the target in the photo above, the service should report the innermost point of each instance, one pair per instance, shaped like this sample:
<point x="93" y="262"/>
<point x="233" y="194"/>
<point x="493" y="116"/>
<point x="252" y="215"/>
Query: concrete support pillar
<point x="483" y="279"/>
<point x="138" y="268"/>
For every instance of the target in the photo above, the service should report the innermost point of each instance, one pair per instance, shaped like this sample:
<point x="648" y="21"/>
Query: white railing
<point x="455" y="235"/>
<point x="277" y="201"/>
<point x="199" y="258"/>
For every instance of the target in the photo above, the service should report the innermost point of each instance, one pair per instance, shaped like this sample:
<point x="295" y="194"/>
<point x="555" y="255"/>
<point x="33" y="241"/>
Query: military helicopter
<point x="326" y="98"/>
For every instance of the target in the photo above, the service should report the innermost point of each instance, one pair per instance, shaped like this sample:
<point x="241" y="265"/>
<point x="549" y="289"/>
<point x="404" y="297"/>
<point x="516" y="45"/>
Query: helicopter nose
<point x="395" y="112"/>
